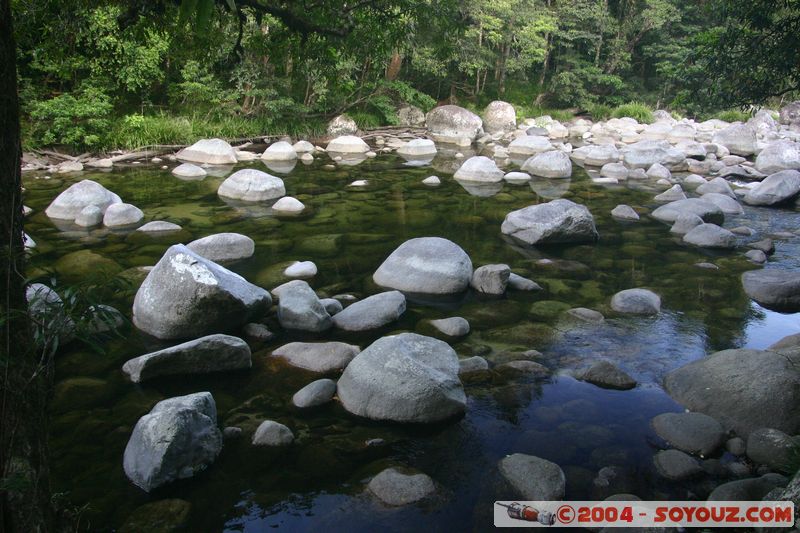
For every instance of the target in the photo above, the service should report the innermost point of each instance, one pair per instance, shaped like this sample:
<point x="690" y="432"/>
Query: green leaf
<point x="231" y="5"/>
<point x="204" y="10"/>
<point x="187" y="9"/>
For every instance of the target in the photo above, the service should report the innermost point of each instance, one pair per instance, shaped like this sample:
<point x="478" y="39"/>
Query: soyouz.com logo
<point x="643" y="514"/>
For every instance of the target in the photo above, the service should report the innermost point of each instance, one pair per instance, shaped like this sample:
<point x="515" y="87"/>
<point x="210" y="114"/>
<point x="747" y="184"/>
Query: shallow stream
<point x="318" y="484"/>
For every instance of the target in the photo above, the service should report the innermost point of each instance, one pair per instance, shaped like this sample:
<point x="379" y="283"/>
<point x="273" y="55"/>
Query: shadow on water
<point x="602" y="439"/>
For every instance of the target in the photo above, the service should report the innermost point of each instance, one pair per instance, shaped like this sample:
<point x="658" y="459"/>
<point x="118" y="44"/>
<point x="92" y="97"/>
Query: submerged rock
<point x="176" y="440"/>
<point x="559" y="221"/>
<point x="404" y="378"/>
<point x="186" y="295"/>
<point x="636" y="302"/>
<point x="426" y="265"/>
<point x="214" y="353"/>
<point x="606" y="375"/>
<point x="676" y="465"/>
<point x="693" y="433"/>
<point x="395" y="488"/>
<point x="624" y="212"/>
<point x="533" y="478"/>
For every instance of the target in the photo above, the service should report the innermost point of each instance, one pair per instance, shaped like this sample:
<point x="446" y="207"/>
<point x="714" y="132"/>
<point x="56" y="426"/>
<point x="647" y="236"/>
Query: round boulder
<point x="404" y="378"/>
<point x="636" y="302"/>
<point x="250" y="185"/>
<point x="426" y="265"/>
<point x="559" y="221"/>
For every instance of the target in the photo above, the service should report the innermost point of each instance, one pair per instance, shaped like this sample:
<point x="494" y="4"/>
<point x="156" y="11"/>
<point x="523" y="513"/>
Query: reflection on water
<point x="602" y="439"/>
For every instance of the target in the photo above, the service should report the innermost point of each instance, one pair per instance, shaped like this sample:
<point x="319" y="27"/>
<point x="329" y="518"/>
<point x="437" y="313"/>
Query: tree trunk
<point x="504" y="68"/>
<point x="25" y="503"/>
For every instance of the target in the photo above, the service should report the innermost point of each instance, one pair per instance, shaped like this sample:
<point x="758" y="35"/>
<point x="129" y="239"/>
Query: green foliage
<point x="637" y="110"/>
<point x="600" y="111"/>
<point x="732" y="115"/>
<point x="75" y="119"/>
<point x="562" y="115"/>
<point x="749" y="57"/>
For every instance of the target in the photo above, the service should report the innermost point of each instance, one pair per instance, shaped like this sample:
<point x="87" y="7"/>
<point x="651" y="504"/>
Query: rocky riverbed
<point x="328" y="337"/>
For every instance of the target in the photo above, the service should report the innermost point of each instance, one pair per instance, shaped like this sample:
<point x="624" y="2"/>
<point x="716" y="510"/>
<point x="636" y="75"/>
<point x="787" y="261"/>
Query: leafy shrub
<point x="79" y="119"/>
<point x="732" y="115"/>
<point x="600" y="111"/>
<point x="636" y="110"/>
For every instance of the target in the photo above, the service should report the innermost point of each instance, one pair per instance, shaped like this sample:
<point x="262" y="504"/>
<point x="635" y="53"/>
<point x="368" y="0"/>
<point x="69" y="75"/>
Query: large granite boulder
<point x="176" y="440"/>
<point x="499" y="117"/>
<point x="250" y="185"/>
<point x="342" y="125"/>
<point x="214" y="353"/>
<point x="552" y="164"/>
<point x="743" y="389"/>
<point x="559" y="221"/>
<point x="776" y="189"/>
<point x="426" y="265"/>
<point x="739" y="139"/>
<point x="411" y="116"/>
<point x="209" y="151"/>
<point x="790" y="113"/>
<point x="479" y="169"/>
<point x="404" y="378"/>
<point x="69" y="204"/>
<point x="777" y="156"/>
<point x="186" y="295"/>
<point x="774" y="289"/>
<point x="450" y="122"/>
